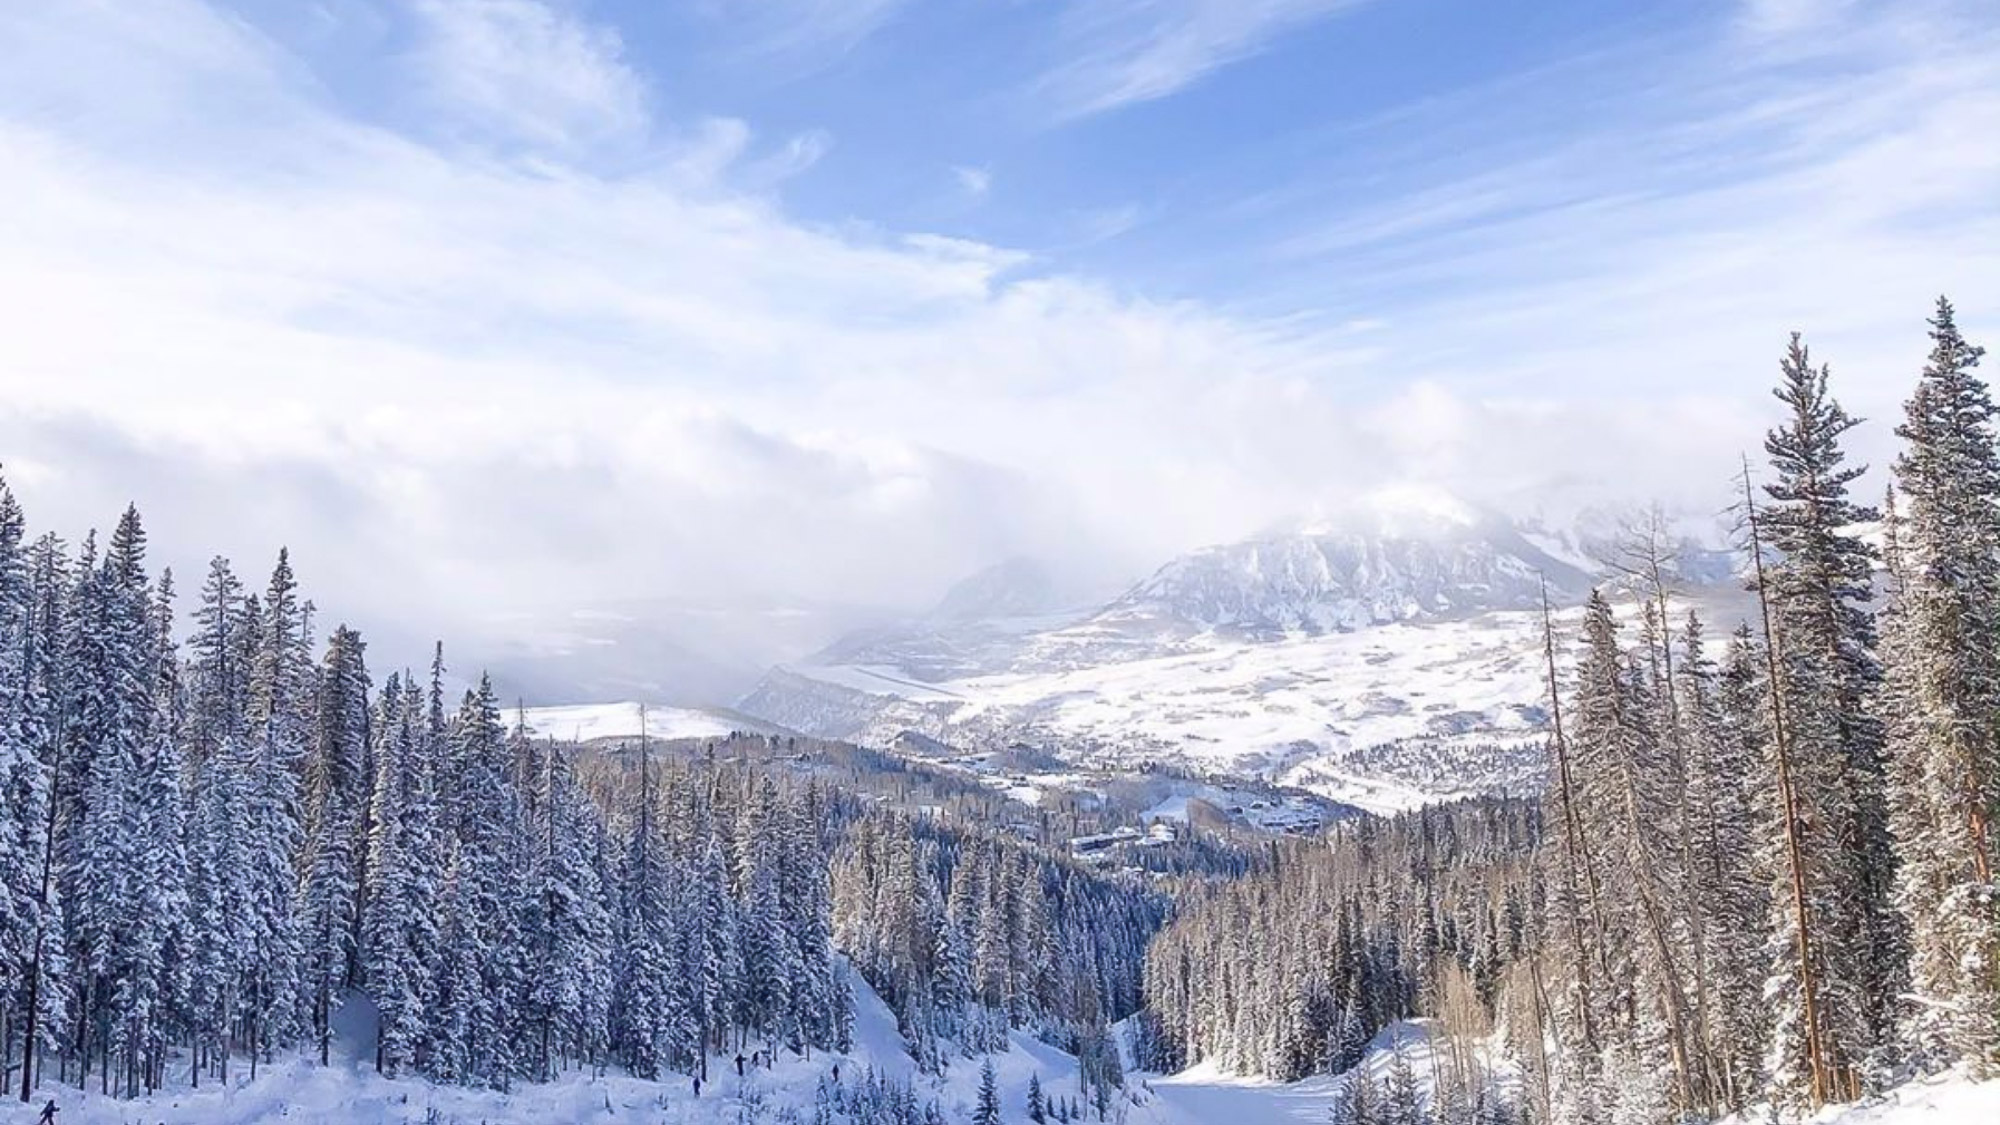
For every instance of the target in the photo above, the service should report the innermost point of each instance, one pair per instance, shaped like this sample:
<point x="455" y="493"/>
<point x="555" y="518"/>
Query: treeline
<point x="968" y="933"/>
<point x="1773" y="876"/>
<point x="206" y="847"/>
<point x="1293" y="970"/>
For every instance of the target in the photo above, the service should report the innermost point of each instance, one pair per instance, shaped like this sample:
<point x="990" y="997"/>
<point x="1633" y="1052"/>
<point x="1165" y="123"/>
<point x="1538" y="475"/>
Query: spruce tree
<point x="330" y="865"/>
<point x="1817" y="590"/>
<point x="1943" y="703"/>
<point x="986" y="1111"/>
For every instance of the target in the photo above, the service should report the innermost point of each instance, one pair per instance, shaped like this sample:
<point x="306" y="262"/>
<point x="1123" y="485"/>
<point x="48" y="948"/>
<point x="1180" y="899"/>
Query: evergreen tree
<point x="398" y="927"/>
<point x="330" y="868"/>
<point x="1943" y="702"/>
<point x="1833" y="899"/>
<point x="986" y="1111"/>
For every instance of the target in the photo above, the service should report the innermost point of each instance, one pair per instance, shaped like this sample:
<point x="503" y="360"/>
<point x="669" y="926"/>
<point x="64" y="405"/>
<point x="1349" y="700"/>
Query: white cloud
<point x="797" y="155"/>
<point x="525" y="71"/>
<point x="974" y="182"/>
<point x="1667" y="247"/>
<point x="1118" y="52"/>
<point x="456" y="380"/>
<point x="808" y="32"/>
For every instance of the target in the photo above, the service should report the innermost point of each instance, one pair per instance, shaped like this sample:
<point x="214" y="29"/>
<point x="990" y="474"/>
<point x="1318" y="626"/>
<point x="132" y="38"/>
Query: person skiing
<point x="49" y="1112"/>
<point x="836" y="1072"/>
<point x="697" y="1085"/>
<point x="739" y="1064"/>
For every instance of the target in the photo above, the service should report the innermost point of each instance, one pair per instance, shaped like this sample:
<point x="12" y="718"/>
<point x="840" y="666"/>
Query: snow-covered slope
<point x="1384" y="657"/>
<point x="1384" y="718"/>
<point x="298" y="1091"/>
<point x="1944" y="1099"/>
<point x="1351" y="575"/>
<point x="588" y="722"/>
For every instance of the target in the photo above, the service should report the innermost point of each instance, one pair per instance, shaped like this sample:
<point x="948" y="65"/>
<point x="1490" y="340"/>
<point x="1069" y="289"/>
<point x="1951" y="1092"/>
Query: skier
<point x="697" y="1085"/>
<point x="48" y="1116"/>
<point x="836" y="1072"/>
<point x="739" y="1064"/>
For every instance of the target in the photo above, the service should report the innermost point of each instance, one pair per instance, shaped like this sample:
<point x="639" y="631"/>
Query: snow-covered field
<point x="1457" y="700"/>
<point x="587" y="722"/>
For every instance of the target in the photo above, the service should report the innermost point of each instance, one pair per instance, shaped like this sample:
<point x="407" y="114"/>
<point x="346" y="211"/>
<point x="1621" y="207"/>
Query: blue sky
<point x="846" y="298"/>
<point x="1183" y="148"/>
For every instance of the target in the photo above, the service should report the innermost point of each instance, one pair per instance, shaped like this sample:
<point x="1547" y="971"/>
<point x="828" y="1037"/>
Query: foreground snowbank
<point x="298" y="1091"/>
<point x="1945" y="1099"/>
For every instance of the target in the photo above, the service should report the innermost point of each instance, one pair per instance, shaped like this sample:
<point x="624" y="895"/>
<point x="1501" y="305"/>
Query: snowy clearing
<point x="588" y="722"/>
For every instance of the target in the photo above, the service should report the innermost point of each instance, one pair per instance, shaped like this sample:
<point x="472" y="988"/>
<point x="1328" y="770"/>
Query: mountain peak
<point x="1014" y="587"/>
<point x="1390" y="555"/>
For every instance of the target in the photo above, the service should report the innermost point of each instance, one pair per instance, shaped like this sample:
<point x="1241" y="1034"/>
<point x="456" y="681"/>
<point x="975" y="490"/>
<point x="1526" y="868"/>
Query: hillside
<point x="1386" y="657"/>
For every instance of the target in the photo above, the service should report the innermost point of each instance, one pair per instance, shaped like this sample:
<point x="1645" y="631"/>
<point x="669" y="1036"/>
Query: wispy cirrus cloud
<point x="528" y="72"/>
<point x="1119" y="52"/>
<point x="1733" y="187"/>
<point x="806" y="32"/>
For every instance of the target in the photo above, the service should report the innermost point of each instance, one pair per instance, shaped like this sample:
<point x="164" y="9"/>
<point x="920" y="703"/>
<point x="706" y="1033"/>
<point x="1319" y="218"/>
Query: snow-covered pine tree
<point x="1629" y="799"/>
<point x="32" y="587"/>
<point x="1942" y="703"/>
<point x="986" y="1110"/>
<point x="114" y="935"/>
<point x="1817" y="589"/>
<point x="397" y="924"/>
<point x="572" y="933"/>
<point x="770" y="955"/>
<point x="23" y="782"/>
<point x="219" y="672"/>
<point x="650" y="1024"/>
<point x="330" y="864"/>
<point x="1722" y="716"/>
<point x="279" y="730"/>
<point x="484" y="956"/>
<point x="1402" y="1094"/>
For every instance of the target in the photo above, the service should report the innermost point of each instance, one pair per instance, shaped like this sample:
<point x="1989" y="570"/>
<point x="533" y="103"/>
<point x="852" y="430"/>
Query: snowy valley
<point x="1385" y="659"/>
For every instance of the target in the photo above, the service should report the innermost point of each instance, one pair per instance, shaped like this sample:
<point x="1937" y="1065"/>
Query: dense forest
<point x="1764" y="866"/>
<point x="213" y="838"/>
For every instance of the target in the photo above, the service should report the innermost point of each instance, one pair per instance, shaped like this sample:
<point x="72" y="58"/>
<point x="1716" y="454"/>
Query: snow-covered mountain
<point x="1338" y="577"/>
<point x="1384" y="655"/>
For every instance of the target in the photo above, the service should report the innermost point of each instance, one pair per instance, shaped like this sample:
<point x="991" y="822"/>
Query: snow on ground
<point x="1206" y="1095"/>
<point x="1387" y="717"/>
<point x="297" y="1091"/>
<point x="1946" y="1099"/>
<point x="586" y="722"/>
<point x="1297" y="711"/>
